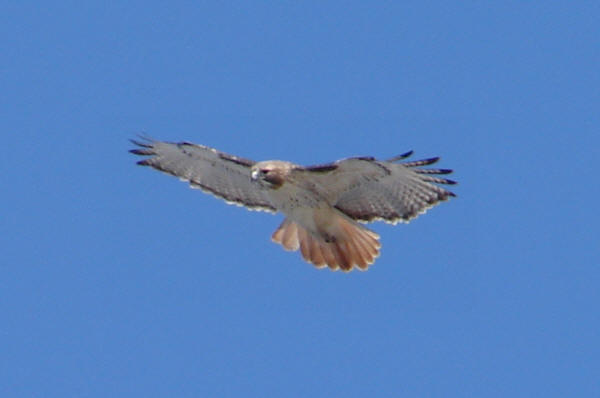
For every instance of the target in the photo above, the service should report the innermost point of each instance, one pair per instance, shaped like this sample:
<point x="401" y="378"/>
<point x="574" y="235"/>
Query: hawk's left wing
<point x="367" y="189"/>
<point x="223" y="175"/>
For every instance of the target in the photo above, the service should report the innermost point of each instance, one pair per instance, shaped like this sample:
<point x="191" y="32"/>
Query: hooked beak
<point x="254" y="175"/>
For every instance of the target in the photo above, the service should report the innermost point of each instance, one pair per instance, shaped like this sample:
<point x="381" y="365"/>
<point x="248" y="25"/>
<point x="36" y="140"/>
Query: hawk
<point x="323" y="204"/>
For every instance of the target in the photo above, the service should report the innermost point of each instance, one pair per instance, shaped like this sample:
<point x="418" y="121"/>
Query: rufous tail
<point x="351" y="245"/>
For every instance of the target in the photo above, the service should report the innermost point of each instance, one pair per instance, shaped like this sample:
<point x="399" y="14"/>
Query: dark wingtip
<point x="433" y="171"/>
<point x="143" y="141"/>
<point x="401" y="157"/>
<point x="141" y="152"/>
<point x="422" y="162"/>
<point x="432" y="160"/>
<point x="145" y="145"/>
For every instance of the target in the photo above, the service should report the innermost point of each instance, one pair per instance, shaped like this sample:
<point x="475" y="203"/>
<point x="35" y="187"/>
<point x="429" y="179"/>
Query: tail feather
<point x="363" y="255"/>
<point x="341" y="256"/>
<point x="311" y="249"/>
<point x="368" y="244"/>
<point x="352" y="246"/>
<point x="287" y="235"/>
<point x="364" y="248"/>
<point x="360" y="245"/>
<point x="290" y="238"/>
<point x="278" y="234"/>
<point x="357" y="254"/>
<point x="365" y="242"/>
<point x="304" y="242"/>
<point x="329" y="257"/>
<point x="316" y="253"/>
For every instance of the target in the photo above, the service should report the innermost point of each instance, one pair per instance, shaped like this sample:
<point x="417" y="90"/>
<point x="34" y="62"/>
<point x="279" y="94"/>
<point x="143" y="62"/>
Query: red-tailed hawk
<point x="323" y="204"/>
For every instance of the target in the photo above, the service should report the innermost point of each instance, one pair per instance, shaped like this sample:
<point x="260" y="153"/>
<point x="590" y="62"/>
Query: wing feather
<point x="367" y="189"/>
<point x="223" y="175"/>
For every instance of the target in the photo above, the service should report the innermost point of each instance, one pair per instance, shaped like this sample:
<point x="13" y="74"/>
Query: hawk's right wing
<point x="223" y="175"/>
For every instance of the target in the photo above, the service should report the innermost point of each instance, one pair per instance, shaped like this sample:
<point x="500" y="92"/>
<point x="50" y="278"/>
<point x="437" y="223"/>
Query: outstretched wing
<point x="367" y="189"/>
<point x="223" y="175"/>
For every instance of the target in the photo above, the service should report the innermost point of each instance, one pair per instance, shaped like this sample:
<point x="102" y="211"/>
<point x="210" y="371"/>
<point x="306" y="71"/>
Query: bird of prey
<point x="323" y="204"/>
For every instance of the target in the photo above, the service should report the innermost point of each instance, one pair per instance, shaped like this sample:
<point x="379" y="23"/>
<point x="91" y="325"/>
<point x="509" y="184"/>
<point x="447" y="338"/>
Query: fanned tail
<point x="349" y="246"/>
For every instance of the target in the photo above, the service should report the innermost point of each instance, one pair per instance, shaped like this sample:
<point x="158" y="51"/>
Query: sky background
<point x="117" y="280"/>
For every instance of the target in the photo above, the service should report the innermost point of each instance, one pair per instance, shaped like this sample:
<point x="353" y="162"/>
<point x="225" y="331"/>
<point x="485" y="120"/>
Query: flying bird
<point x="323" y="204"/>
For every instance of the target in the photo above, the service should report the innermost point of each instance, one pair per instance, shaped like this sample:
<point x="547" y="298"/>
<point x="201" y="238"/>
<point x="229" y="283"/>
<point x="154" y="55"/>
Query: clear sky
<point x="117" y="280"/>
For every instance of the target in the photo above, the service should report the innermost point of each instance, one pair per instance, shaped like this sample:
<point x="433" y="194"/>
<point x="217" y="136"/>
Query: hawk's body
<point x="323" y="204"/>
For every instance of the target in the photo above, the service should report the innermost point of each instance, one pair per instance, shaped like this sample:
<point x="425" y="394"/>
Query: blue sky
<point x="120" y="281"/>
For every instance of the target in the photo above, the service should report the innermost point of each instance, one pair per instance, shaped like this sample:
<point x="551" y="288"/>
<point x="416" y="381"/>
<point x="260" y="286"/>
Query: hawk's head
<point x="271" y="173"/>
